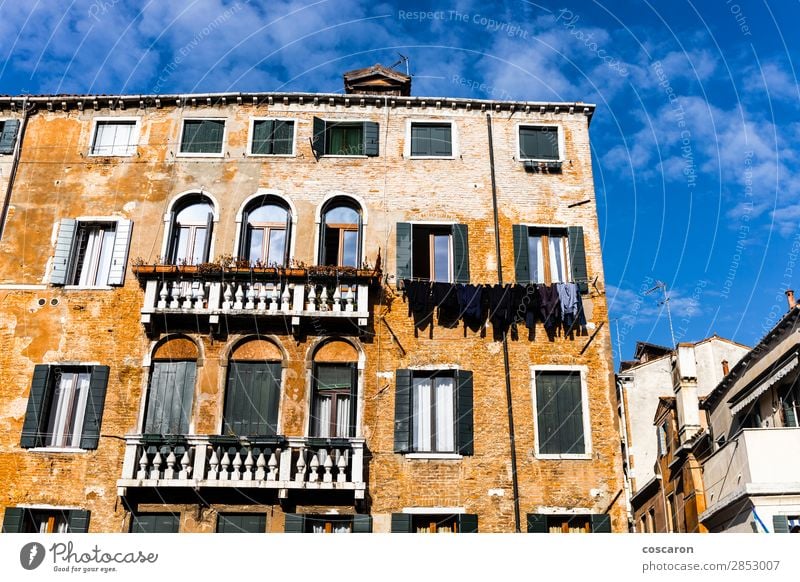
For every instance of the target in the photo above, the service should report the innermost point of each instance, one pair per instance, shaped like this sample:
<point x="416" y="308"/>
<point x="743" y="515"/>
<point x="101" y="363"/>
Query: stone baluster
<point x="155" y="469"/>
<point x="311" y="304"/>
<point x="314" y="468"/>
<point x="225" y="467"/>
<point x="162" y="296"/>
<point x="272" y="474"/>
<point x="143" y="463"/>
<point x="300" y="476"/>
<point x="248" y="466"/>
<point x="227" y="295"/>
<point x="213" y="465"/>
<point x="169" y="472"/>
<point x="251" y="297"/>
<point x="236" y="473"/>
<point x="175" y="303"/>
<point x="328" y="466"/>
<point x="273" y="297"/>
<point x="261" y="463"/>
<point x="323" y="299"/>
<point x="337" y="298"/>
<point x="237" y="304"/>
<point x="341" y="467"/>
<point x="200" y="296"/>
<point x="349" y="298"/>
<point x="187" y="291"/>
<point x="285" y="296"/>
<point x="186" y="466"/>
<point x="262" y="297"/>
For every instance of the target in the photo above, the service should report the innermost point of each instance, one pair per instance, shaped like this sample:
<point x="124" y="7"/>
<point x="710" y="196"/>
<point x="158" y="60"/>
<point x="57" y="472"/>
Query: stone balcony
<point x="206" y="463"/>
<point x="174" y="294"/>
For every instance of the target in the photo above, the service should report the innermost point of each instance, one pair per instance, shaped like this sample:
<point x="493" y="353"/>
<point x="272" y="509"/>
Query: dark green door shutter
<point x="460" y="253"/>
<point x="155" y="523"/>
<point x="371" y="138"/>
<point x="421" y="140"/>
<point x="13" y="520"/>
<point x="402" y="411"/>
<point x="547" y="414"/>
<point x="570" y="413"/>
<point x="9" y="136"/>
<point x="362" y="523"/>
<point x="78" y="521"/>
<point x="577" y="258"/>
<point x="353" y="399"/>
<point x="283" y="137"/>
<point x="467" y="523"/>
<point x="403" y="250"/>
<point x="601" y="523"/>
<point x="251" y="400"/>
<point x="94" y="407"/>
<point x="401" y="523"/>
<point x="294" y="523"/>
<point x="464" y="421"/>
<point x="262" y="137"/>
<point x="537" y="523"/>
<point x="34" y="415"/>
<point x="441" y="141"/>
<point x="522" y="262"/>
<point x="780" y="524"/>
<point x="170" y="398"/>
<point x="318" y="140"/>
<point x="241" y="523"/>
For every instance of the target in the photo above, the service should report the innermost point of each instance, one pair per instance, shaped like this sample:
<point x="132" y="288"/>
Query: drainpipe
<point x="14" y="164"/>
<point x="511" y="437"/>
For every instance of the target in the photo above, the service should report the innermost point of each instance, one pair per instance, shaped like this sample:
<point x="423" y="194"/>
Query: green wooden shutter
<point x="13" y="520"/>
<point x="262" y="134"/>
<point x="460" y="253"/>
<point x="789" y="415"/>
<point x="119" y="255"/>
<point x="401" y="523"/>
<point x="93" y="417"/>
<point x="522" y="262"/>
<point x="780" y="524"/>
<point x="537" y="523"/>
<point x="294" y="523"/>
<point x="467" y="523"/>
<point x="155" y="523"/>
<point x="241" y="523"/>
<point x="441" y="143"/>
<point x="211" y="131"/>
<point x="252" y="398"/>
<point x="528" y="143"/>
<point x="403" y="250"/>
<point x="37" y="404"/>
<point x="546" y="414"/>
<point x="601" y="523"/>
<point x="420" y="140"/>
<point x="283" y="138"/>
<point x="78" y="521"/>
<point x="353" y="399"/>
<point x="569" y="413"/>
<point x="318" y="139"/>
<point x="170" y="398"/>
<point x="67" y="229"/>
<point x="8" y="136"/>
<point x="371" y="138"/>
<point x="577" y="257"/>
<point x="402" y="411"/>
<point x="464" y="422"/>
<point x="362" y="523"/>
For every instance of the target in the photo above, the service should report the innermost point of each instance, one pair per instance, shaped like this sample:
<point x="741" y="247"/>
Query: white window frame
<point x="295" y="123"/>
<point x="454" y="140"/>
<point x="587" y="428"/>
<point x="567" y="263"/>
<point x="561" y="144"/>
<point x="343" y="121"/>
<point x="93" y="219"/>
<point x="135" y="134"/>
<point x="434" y="224"/>
<point x="221" y="154"/>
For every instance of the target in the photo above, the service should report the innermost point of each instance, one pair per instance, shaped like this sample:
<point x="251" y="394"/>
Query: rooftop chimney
<point x="377" y="80"/>
<point x="790" y="298"/>
<point x="725" y="368"/>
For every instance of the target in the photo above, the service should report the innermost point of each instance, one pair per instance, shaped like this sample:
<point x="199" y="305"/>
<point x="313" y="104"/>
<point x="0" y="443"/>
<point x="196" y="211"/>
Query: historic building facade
<point x="219" y="313"/>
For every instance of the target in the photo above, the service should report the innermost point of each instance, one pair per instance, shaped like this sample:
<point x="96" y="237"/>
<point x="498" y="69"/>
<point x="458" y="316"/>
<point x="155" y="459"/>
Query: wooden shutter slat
<point x="294" y="523"/>
<point x="547" y="414"/>
<point x="371" y="138"/>
<point x="93" y="418"/>
<point x="78" y="521"/>
<point x="401" y="523"/>
<point x="13" y="520"/>
<point x="780" y="524"/>
<point x="601" y="523"/>
<point x="522" y="263"/>
<point x="467" y="523"/>
<point x="9" y="136"/>
<point x="537" y="523"/>
<point x="119" y="255"/>
<point x="577" y="257"/>
<point x="63" y="252"/>
<point x="464" y="422"/>
<point x="460" y="253"/>
<point x="318" y="139"/>
<point x="34" y="414"/>
<point x="402" y="411"/>
<point x="362" y="523"/>
<point x="403" y="250"/>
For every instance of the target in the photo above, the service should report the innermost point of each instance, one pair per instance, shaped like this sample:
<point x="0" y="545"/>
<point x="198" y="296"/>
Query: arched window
<point x="340" y="237"/>
<point x="334" y="392"/>
<point x="266" y="233"/>
<point x="171" y="391"/>
<point x="253" y="390"/>
<point x="190" y="231"/>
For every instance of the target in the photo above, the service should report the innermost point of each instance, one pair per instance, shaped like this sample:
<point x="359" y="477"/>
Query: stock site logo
<point x="31" y="555"/>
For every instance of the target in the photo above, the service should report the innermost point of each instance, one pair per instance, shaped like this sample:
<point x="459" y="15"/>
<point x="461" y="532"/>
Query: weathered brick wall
<point x="57" y="180"/>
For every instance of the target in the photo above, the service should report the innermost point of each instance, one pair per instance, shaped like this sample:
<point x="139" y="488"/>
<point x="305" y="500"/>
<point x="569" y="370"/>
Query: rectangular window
<point x="8" y="135"/>
<point x="433" y="414"/>
<point x="155" y="523"/>
<point x="241" y="523"/>
<point x="568" y="524"/>
<point x="114" y="137"/>
<point x="328" y="524"/>
<point x="558" y="400"/>
<point x="547" y="255"/>
<point x="434" y="523"/>
<point x="432" y="253"/>
<point x="431" y="140"/>
<point x="334" y="409"/>
<point x="202" y="136"/>
<point x="662" y="439"/>
<point x="539" y="143"/>
<point x="65" y="407"/>
<point x="93" y="251"/>
<point x="344" y="138"/>
<point x="45" y="520"/>
<point x="272" y="137"/>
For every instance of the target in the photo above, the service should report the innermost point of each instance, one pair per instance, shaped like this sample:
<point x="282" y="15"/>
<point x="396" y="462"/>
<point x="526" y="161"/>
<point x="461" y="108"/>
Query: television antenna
<point x="403" y="59"/>
<point x="663" y="286"/>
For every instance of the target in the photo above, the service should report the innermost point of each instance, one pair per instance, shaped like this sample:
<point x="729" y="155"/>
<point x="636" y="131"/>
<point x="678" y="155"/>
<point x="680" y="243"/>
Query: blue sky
<point x="696" y="138"/>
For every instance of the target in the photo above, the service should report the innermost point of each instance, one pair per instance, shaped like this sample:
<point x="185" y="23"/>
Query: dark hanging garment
<point x="519" y="307"/>
<point x="571" y="306"/>
<point x="549" y="309"/>
<point x="533" y="309"/>
<point x="420" y="304"/>
<point x="469" y="302"/>
<point x="446" y="300"/>
<point x="500" y="309"/>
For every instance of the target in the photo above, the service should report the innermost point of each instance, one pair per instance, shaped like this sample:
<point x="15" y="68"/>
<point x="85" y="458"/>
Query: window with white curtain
<point x="114" y="137"/>
<point x="94" y="247"/>
<point x="433" y="419"/>
<point x="333" y="407"/>
<point x="67" y="408"/>
<point x="547" y="253"/>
